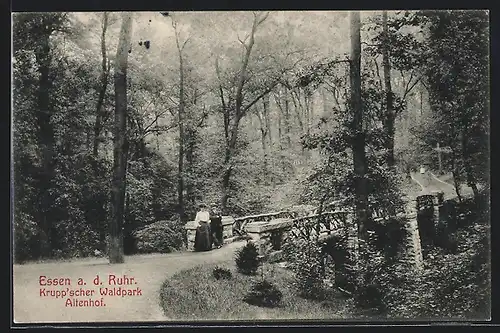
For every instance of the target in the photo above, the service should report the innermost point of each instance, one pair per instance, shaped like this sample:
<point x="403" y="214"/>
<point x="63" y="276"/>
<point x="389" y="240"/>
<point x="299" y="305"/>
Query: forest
<point x="124" y="122"/>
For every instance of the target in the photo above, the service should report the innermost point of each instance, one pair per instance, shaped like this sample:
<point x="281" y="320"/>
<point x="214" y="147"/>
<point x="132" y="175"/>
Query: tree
<point x="389" y="114"/>
<point x="120" y="142"/>
<point x="180" y="113"/>
<point x="105" y="67"/>
<point x="233" y="113"/>
<point x="358" y="140"/>
<point x="33" y="33"/>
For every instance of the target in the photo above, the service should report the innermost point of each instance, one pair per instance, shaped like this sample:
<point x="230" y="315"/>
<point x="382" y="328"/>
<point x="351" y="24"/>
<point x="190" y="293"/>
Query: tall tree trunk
<point x="190" y="146"/>
<point x="263" y="137"/>
<point x="228" y="169"/>
<point x="358" y="146"/>
<point x="119" y="142"/>
<point x="280" y="129"/>
<point x="182" y="103"/>
<point x="104" y="85"/>
<point x="389" y="114"/>
<point x="180" y="174"/>
<point x="46" y="141"/>
<point x="297" y="109"/>
<point x="287" y="118"/>
<point x="267" y="118"/>
<point x="189" y="153"/>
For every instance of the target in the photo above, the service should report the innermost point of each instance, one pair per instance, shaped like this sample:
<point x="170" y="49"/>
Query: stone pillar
<point x="438" y="201"/>
<point x="190" y="227"/>
<point x="260" y="234"/>
<point x="227" y="227"/>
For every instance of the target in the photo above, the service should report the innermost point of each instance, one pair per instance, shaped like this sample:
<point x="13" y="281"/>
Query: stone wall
<point x="414" y="255"/>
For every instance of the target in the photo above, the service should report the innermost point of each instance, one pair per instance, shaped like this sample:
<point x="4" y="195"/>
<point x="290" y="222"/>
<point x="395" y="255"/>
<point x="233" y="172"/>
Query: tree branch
<point x="264" y="93"/>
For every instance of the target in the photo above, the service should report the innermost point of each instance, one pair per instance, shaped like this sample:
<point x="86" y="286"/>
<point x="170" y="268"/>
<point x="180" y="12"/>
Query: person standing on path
<point x="216" y="225"/>
<point x="203" y="237"/>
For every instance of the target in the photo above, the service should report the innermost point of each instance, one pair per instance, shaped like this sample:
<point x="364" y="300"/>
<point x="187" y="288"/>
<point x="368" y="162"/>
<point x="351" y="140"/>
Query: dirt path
<point x="149" y="272"/>
<point x="429" y="183"/>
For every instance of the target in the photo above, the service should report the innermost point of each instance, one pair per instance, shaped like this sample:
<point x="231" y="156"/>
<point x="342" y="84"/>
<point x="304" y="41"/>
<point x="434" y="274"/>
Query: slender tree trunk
<point x="190" y="147"/>
<point x="389" y="114"/>
<point x="157" y="134"/>
<point x="105" y="66"/>
<point x="263" y="137"/>
<point x="119" y="142"/>
<point x="46" y="142"/>
<point x="104" y="85"/>
<point x="298" y="112"/>
<point x="226" y="177"/>
<point x="287" y="118"/>
<point x="180" y="175"/>
<point x="358" y="147"/>
<point x="190" y="144"/>
<point x="307" y="111"/>
<point x="267" y="118"/>
<point x="280" y="130"/>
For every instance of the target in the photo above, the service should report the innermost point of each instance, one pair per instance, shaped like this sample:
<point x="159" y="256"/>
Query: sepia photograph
<point x="262" y="166"/>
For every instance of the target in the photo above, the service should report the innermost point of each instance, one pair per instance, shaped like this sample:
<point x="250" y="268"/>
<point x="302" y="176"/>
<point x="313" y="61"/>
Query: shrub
<point x="374" y="277"/>
<point x="160" y="237"/>
<point x="265" y="294"/>
<point x="451" y="285"/>
<point x="221" y="273"/>
<point x="247" y="259"/>
<point x="26" y="237"/>
<point x="306" y="261"/>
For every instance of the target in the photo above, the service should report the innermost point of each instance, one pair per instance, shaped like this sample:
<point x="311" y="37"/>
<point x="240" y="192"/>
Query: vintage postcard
<point x="250" y="166"/>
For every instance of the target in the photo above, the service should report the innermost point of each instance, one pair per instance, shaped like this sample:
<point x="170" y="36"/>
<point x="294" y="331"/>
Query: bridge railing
<point x="269" y="237"/>
<point x="319" y="224"/>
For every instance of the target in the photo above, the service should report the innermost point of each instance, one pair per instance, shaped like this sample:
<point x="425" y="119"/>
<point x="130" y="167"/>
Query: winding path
<point x="429" y="182"/>
<point x="148" y="270"/>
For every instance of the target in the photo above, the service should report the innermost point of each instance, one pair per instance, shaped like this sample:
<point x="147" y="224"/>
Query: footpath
<point x="51" y="300"/>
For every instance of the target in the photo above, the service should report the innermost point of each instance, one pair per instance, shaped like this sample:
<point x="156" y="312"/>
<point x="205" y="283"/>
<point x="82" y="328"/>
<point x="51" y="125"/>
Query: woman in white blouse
<point x="203" y="240"/>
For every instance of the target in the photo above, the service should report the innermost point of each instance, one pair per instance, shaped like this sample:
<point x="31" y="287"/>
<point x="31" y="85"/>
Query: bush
<point x="374" y="277"/>
<point x="306" y="261"/>
<point x="221" y="273"/>
<point x="451" y="286"/>
<point x="26" y="237"/>
<point x="247" y="259"/>
<point x="265" y="294"/>
<point x="160" y="237"/>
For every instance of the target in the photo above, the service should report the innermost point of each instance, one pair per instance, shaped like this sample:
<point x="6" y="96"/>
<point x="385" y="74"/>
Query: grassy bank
<point x="196" y="295"/>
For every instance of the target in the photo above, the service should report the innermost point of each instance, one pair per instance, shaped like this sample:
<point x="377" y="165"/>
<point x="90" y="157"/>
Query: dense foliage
<point x="63" y="105"/>
<point x="254" y="121"/>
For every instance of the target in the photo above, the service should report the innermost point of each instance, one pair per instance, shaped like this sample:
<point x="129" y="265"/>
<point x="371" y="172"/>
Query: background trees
<point x="243" y="109"/>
